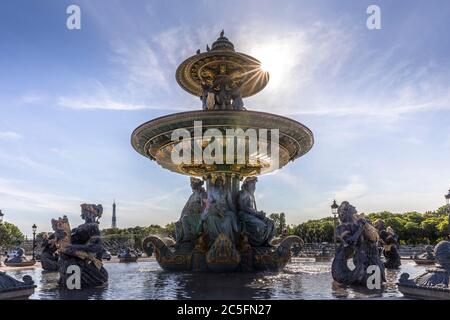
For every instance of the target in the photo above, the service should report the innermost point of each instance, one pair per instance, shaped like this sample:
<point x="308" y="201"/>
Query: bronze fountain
<point x="220" y="228"/>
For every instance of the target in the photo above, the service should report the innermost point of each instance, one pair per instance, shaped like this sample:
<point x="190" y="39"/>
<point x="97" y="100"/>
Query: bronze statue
<point x="389" y="242"/>
<point x="359" y="241"/>
<point x="222" y="87"/>
<point x="219" y="215"/>
<point x="427" y="255"/>
<point x="188" y="227"/>
<point x="49" y="255"/>
<point x="259" y="228"/>
<point x="208" y="99"/>
<point x="82" y="247"/>
<point x="91" y="212"/>
<point x="238" y="103"/>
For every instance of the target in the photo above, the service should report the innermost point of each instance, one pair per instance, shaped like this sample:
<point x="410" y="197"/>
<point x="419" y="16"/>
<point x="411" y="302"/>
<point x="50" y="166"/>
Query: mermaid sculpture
<point x="81" y="247"/>
<point x="359" y="241"/>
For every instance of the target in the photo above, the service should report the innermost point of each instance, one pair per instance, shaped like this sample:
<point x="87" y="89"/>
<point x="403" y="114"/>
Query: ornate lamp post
<point x="34" y="239"/>
<point x="447" y="199"/>
<point x="334" y="208"/>
<point x="1" y="249"/>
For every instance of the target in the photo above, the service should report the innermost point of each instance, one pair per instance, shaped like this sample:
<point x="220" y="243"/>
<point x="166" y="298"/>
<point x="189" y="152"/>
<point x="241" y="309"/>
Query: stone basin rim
<point x="215" y="113"/>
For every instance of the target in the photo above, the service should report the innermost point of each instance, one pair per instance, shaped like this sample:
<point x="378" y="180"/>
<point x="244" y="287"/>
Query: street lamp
<point x="447" y="200"/>
<point x="1" y="249"/>
<point x="34" y="239"/>
<point x="334" y="208"/>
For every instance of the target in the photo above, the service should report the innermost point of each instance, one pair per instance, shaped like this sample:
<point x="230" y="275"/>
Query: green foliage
<point x="316" y="230"/>
<point x="280" y="222"/>
<point x="10" y="235"/>
<point x="170" y="229"/>
<point x="411" y="227"/>
<point x="40" y="236"/>
<point x="152" y="229"/>
<point x="137" y="233"/>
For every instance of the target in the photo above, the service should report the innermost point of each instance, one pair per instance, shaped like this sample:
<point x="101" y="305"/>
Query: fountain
<point x="434" y="283"/>
<point x="220" y="228"/>
<point x="127" y="255"/>
<point x="19" y="259"/>
<point x="11" y="288"/>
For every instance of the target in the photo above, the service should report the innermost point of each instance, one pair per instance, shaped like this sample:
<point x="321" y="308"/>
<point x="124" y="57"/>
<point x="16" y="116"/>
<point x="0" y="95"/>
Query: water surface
<point x="301" y="279"/>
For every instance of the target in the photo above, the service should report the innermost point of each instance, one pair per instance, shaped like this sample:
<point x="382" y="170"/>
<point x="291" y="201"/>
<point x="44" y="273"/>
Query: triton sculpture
<point x="359" y="242"/>
<point x="81" y="247"/>
<point x="220" y="228"/>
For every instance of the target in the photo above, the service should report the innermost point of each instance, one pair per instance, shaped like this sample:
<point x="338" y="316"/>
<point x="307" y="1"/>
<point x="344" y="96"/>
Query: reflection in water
<point x="302" y="279"/>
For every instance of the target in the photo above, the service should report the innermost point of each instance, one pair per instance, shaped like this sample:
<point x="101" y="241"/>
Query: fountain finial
<point x="222" y="43"/>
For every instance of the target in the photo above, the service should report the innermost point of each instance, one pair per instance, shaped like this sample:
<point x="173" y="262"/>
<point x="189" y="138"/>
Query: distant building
<point x="114" y="217"/>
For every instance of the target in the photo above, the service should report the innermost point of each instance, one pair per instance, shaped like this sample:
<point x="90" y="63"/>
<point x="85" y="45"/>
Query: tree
<point x="430" y="230"/>
<point x="170" y="229"/>
<point x="279" y="220"/>
<point x="411" y="227"/>
<point x="10" y="234"/>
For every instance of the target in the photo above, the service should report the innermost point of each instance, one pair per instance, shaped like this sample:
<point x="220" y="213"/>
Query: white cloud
<point x="22" y="162"/>
<point x="9" y="135"/>
<point x="20" y="195"/>
<point x="353" y="190"/>
<point x="106" y="98"/>
<point x="322" y="70"/>
<point x="85" y="102"/>
<point x="140" y="66"/>
<point x="32" y="98"/>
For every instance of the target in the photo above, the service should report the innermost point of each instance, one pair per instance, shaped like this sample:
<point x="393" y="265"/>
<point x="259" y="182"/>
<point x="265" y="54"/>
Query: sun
<point x="276" y="60"/>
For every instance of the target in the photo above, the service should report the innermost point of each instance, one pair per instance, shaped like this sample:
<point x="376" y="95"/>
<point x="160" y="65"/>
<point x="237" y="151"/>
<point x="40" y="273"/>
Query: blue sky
<point x="378" y="102"/>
